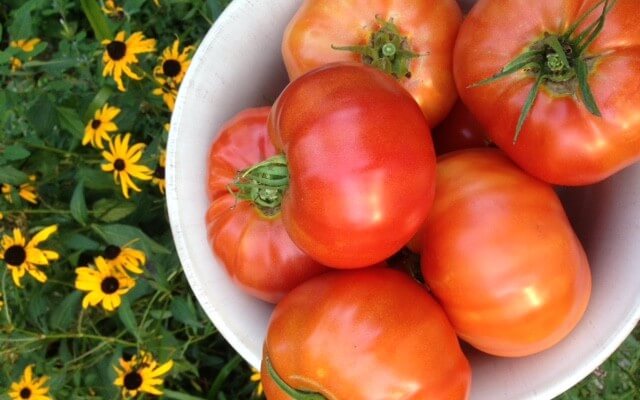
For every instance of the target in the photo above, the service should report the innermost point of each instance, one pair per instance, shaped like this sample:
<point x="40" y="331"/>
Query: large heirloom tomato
<point x="564" y="77"/>
<point x="363" y="335"/>
<point x="253" y="246"/>
<point x="411" y="40"/>
<point x="356" y="175"/>
<point x="501" y="257"/>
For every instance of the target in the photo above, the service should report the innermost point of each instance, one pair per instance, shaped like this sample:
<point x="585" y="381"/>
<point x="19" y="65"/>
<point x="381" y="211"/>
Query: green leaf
<point x="22" y="26"/>
<point x="12" y="176"/>
<point x="100" y="98"/>
<point x="120" y="235"/>
<point x="170" y="394"/>
<point x="66" y="311"/>
<point x="77" y="241"/>
<point x="97" y="19"/>
<point x="42" y="115"/>
<point x="78" y="205"/>
<point x="16" y="152"/>
<point x="223" y="375"/>
<point x="95" y="179"/>
<point x="112" y="210"/>
<point x="127" y="318"/>
<point x="184" y="312"/>
<point x="70" y="121"/>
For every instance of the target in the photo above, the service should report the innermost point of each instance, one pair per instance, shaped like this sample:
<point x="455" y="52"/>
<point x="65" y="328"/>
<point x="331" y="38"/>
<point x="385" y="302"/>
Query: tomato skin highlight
<point x="361" y="164"/>
<point x="430" y="26"/>
<point x="561" y="141"/>
<point x="364" y="335"/>
<point x="501" y="257"/>
<point x="255" y="249"/>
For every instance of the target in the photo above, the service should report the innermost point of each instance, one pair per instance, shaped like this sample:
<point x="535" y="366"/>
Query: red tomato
<point x="426" y="28"/>
<point x="501" y="257"/>
<point x="360" y="335"/>
<point x="254" y="247"/>
<point x="562" y="140"/>
<point x="360" y="161"/>
<point x="460" y="130"/>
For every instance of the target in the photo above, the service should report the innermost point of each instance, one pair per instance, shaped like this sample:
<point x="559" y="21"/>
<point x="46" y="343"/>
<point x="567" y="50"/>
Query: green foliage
<point x="45" y="106"/>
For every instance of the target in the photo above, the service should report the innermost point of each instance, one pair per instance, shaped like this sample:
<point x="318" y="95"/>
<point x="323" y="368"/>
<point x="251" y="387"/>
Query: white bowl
<point x="238" y="65"/>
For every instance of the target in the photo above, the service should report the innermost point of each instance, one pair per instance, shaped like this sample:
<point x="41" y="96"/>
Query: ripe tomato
<point x="360" y="161"/>
<point x="419" y="43"/>
<point x="562" y="139"/>
<point x="460" y="130"/>
<point x="254" y="248"/>
<point x="361" y="335"/>
<point x="501" y="257"/>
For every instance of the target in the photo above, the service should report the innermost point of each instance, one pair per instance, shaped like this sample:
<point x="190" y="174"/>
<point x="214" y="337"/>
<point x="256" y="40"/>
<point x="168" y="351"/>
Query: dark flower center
<point x="15" y="255"/>
<point x="119" y="164"/>
<point x="132" y="380"/>
<point x="159" y="172"/>
<point x="116" y="50"/>
<point x="111" y="252"/>
<point x="95" y="124"/>
<point x="109" y="285"/>
<point x="25" y="393"/>
<point x="171" y="68"/>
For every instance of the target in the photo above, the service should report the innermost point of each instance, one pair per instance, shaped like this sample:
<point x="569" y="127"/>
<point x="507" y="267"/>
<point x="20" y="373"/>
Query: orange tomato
<point x="425" y="28"/>
<point x="363" y="334"/>
<point x="501" y="257"/>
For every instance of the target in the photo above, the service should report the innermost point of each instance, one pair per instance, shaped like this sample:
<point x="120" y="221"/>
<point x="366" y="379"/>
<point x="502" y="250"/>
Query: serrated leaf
<point x="184" y="312"/>
<point x="78" y="205"/>
<point x="16" y="152"/>
<point x="112" y="210"/>
<point x="70" y="121"/>
<point x="15" y="177"/>
<point x="66" y="311"/>
<point x="128" y="319"/>
<point x="120" y="235"/>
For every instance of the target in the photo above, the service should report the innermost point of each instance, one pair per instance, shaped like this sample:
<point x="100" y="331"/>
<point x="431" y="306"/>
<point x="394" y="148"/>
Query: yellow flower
<point x="122" y="162"/>
<point x="157" y="2"/>
<point x="104" y="283"/>
<point x="125" y="258"/>
<point x="112" y="9"/>
<point x="168" y="91"/>
<point x="99" y="127"/>
<point x="174" y="64"/>
<point x="27" y="191"/>
<point x="29" y="388"/>
<point x="120" y="53"/>
<point x="158" y="174"/>
<point x="27" y="46"/>
<point x="255" y="377"/>
<point x="141" y="375"/>
<point x="20" y="257"/>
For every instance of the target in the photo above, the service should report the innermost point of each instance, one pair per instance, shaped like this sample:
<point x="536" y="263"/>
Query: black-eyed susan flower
<point x="29" y="387"/>
<point x="119" y="54"/>
<point x="27" y="46"/>
<point x="27" y="191"/>
<point x="105" y="284"/>
<point x="122" y="161"/>
<point x="174" y="63"/>
<point x="168" y="90"/>
<point x="255" y="378"/>
<point x="125" y="258"/>
<point x="141" y="375"/>
<point x="111" y="9"/>
<point x="100" y="126"/>
<point x="21" y="257"/>
<point x="158" y="173"/>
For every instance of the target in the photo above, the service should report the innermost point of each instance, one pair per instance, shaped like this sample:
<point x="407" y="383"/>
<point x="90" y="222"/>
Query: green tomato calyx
<point x="387" y="50"/>
<point x="263" y="184"/>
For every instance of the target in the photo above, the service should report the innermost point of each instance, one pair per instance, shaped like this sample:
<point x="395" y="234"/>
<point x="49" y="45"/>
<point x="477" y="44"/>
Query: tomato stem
<point x="284" y="386"/>
<point x="558" y="61"/>
<point x="264" y="184"/>
<point x="387" y="50"/>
